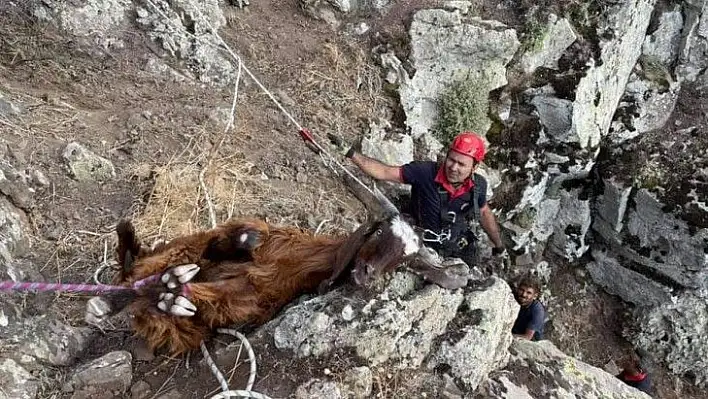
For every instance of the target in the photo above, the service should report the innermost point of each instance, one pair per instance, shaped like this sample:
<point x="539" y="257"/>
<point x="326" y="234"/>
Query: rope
<point x="69" y="287"/>
<point x="225" y="47"/>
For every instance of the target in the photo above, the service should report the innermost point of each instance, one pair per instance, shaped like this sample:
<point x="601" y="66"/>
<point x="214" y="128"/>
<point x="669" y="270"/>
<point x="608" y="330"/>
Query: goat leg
<point x="101" y="308"/>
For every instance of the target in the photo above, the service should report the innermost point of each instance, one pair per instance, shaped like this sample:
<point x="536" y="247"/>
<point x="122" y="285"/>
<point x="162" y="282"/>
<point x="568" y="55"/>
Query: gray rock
<point x="693" y="55"/>
<point x="12" y="237"/>
<point x="85" y="165"/>
<point x="627" y="284"/>
<point x="16" y="381"/>
<point x="95" y="22"/>
<point x="45" y="339"/>
<point x="546" y="50"/>
<point x="677" y="333"/>
<point x="206" y="62"/>
<point x="611" y="205"/>
<point x="664" y="43"/>
<point x="539" y="369"/>
<point x="358" y="383"/>
<point x="647" y="105"/>
<point x="353" y="384"/>
<point x="140" y="390"/>
<point x="599" y="91"/>
<point x="481" y="345"/>
<point x="399" y="325"/>
<point x="318" y="389"/>
<point x="393" y="151"/>
<point x="13" y="184"/>
<point x="571" y="224"/>
<point x="109" y="375"/>
<point x="446" y="48"/>
<point x="9" y="108"/>
<point x="674" y="251"/>
<point x="555" y="115"/>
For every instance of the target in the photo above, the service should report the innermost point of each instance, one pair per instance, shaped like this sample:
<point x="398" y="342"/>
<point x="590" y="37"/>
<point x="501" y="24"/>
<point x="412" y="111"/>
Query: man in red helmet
<point x="445" y="198"/>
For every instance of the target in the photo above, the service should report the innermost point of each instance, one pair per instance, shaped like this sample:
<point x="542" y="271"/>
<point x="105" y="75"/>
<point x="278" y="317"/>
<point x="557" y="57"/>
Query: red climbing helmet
<point x="468" y="143"/>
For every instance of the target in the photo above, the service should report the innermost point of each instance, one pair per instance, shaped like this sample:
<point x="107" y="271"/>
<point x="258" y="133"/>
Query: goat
<point x="243" y="271"/>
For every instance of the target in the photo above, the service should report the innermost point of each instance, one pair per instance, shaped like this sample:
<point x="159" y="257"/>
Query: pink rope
<point x="68" y="287"/>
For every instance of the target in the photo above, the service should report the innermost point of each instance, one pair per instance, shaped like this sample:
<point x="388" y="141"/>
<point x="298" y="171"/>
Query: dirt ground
<point x="160" y="136"/>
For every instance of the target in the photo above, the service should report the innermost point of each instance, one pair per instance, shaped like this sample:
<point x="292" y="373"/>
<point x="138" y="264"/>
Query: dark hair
<point x="530" y="282"/>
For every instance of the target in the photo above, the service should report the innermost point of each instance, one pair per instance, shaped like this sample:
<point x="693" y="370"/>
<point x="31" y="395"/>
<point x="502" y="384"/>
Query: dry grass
<point x="340" y="85"/>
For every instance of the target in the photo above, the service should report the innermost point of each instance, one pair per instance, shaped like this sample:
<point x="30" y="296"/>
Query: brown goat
<point x="241" y="272"/>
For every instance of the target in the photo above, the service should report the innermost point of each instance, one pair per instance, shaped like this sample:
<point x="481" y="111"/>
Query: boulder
<point x="44" y="339"/>
<point x="545" y="46"/>
<point x="96" y="23"/>
<point x="447" y="47"/>
<point x="599" y="91"/>
<point x="12" y="236"/>
<point x="664" y="42"/>
<point x="8" y="108"/>
<point x="108" y="376"/>
<point x="626" y="283"/>
<point x="206" y="62"/>
<point x="478" y="344"/>
<point x="356" y="383"/>
<point x="395" y="150"/>
<point x="677" y="333"/>
<point x="693" y="55"/>
<point x="16" y="381"/>
<point x="398" y="325"/>
<point x="540" y="370"/>
<point x="85" y="166"/>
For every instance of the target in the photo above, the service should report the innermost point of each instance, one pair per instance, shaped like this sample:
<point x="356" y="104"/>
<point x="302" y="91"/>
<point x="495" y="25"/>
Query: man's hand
<point x="346" y="150"/>
<point x="502" y="254"/>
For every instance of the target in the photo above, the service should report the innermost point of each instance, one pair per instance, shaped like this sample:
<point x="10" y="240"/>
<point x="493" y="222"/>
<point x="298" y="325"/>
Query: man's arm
<point x="490" y="226"/>
<point x="376" y="169"/>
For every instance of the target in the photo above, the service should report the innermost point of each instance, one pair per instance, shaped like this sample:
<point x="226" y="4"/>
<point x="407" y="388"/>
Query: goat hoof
<point x="185" y="273"/>
<point x="97" y="310"/>
<point x="176" y="305"/>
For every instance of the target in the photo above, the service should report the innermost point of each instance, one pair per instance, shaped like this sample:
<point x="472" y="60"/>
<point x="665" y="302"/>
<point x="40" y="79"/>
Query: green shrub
<point x="462" y="106"/>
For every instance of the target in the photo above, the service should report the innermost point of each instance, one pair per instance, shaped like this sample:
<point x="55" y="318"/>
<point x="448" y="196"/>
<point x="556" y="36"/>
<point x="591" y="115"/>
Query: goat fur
<point x="242" y="281"/>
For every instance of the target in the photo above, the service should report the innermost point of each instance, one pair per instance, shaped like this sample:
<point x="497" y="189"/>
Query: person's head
<point x="631" y="364"/>
<point x="527" y="290"/>
<point x="465" y="153"/>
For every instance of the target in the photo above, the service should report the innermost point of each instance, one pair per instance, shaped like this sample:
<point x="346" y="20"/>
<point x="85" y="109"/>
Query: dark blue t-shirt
<point x="530" y="318"/>
<point x="425" y="198"/>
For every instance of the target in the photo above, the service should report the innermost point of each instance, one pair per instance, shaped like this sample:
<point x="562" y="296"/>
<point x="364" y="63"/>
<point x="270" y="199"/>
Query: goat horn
<point x="386" y="204"/>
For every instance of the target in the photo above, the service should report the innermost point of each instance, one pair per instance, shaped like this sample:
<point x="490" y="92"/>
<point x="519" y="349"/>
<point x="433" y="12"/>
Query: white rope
<point x="225" y="47"/>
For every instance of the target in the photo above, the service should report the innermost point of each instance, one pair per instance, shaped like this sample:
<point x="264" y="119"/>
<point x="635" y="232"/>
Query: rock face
<point x="447" y="47"/>
<point x="490" y="312"/>
<point x="199" y="17"/>
<point x="539" y="369"/>
<point x="399" y="325"/>
<point x="548" y="45"/>
<point x="598" y="93"/>
<point x="94" y="22"/>
<point x="676" y="331"/>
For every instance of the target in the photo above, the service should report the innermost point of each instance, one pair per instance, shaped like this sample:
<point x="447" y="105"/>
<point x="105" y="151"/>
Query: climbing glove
<point x="345" y="149"/>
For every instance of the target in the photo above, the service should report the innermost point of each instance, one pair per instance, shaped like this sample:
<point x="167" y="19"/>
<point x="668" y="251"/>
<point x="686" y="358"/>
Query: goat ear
<point x="128" y="245"/>
<point x="346" y="253"/>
